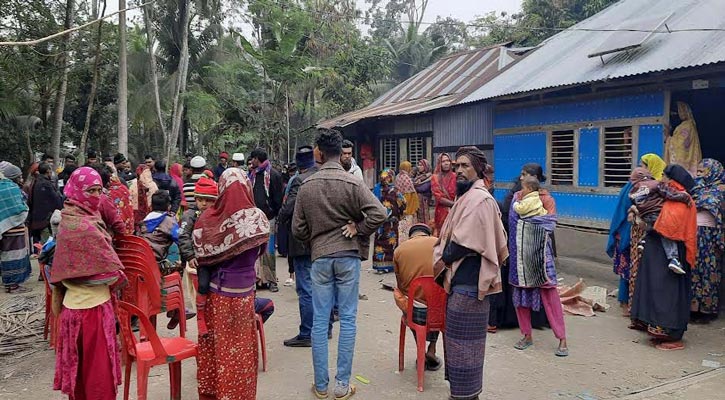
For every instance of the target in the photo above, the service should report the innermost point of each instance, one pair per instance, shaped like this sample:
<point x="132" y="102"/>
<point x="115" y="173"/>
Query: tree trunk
<point x="178" y="108"/>
<point x="94" y="88"/>
<point x="150" y="40"/>
<point x="122" y="82"/>
<point x="63" y="88"/>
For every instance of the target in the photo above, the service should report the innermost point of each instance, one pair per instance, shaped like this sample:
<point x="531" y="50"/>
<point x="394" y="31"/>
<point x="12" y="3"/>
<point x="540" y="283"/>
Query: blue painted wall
<point x="651" y="140"/>
<point x="589" y="157"/>
<point x="513" y="151"/>
<point x="585" y="206"/>
<point x="634" y="106"/>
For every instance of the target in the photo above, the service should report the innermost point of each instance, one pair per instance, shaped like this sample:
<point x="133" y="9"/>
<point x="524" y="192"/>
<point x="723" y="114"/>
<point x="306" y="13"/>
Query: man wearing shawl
<point x="268" y="190"/>
<point x="85" y="270"/>
<point x="14" y="255"/>
<point x="706" y="275"/>
<point x="468" y="253"/>
<point x="443" y="185"/>
<point x="228" y="238"/>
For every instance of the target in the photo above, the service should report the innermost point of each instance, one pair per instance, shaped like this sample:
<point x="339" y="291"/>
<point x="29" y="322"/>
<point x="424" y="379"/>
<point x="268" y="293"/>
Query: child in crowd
<point x="648" y="196"/>
<point x="161" y="230"/>
<point x="530" y="204"/>
<point x="205" y="194"/>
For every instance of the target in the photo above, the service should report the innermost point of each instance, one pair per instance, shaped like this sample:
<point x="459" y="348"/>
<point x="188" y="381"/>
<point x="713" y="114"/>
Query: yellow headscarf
<point x="406" y="166"/>
<point x="654" y="164"/>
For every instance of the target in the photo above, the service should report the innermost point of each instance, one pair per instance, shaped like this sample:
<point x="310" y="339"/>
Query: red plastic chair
<point x="155" y="351"/>
<point x="50" y="327"/>
<point x="435" y="298"/>
<point x="262" y="341"/>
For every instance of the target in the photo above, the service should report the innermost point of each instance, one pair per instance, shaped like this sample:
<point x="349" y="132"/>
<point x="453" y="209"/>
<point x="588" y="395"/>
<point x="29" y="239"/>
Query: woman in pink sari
<point x="85" y="271"/>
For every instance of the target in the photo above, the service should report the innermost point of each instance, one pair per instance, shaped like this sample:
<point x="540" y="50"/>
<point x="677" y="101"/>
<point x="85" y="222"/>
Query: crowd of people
<point x="495" y="260"/>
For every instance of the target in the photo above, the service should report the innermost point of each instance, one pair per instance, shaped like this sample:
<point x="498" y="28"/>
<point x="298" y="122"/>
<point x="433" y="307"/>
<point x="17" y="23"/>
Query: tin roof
<point x="693" y="34"/>
<point x="442" y="84"/>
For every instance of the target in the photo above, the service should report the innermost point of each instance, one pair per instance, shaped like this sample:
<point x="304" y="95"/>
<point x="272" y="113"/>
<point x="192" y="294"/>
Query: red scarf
<point x="232" y="225"/>
<point x="175" y="171"/>
<point x="83" y="246"/>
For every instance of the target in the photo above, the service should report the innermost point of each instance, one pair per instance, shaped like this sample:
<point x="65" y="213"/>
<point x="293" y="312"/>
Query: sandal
<point x="317" y="393"/>
<point x="523" y="344"/>
<point x="350" y="392"/>
<point x="670" y="346"/>
<point x="491" y="329"/>
<point x="17" y="289"/>
<point x="562" y="352"/>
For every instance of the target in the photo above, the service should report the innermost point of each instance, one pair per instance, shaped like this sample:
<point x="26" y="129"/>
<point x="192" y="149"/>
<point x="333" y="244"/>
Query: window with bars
<point x="416" y="149"/>
<point x="562" y="157"/>
<point x="617" y="155"/>
<point x="390" y="153"/>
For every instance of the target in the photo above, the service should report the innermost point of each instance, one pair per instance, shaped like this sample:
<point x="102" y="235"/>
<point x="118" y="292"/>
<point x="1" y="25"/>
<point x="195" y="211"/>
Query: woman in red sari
<point x="443" y="185"/>
<point x="228" y="239"/>
<point x="85" y="272"/>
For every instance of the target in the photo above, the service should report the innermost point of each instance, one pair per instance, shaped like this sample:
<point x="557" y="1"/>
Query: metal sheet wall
<point x="466" y="125"/>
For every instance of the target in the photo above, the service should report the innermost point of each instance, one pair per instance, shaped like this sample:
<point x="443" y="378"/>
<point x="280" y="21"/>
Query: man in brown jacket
<point x="336" y="213"/>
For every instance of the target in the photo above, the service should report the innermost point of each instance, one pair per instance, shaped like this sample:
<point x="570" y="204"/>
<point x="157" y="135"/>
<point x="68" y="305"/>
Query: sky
<point x="465" y="10"/>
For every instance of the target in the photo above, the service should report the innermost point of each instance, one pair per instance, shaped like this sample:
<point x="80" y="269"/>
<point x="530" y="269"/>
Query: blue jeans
<point x="334" y="280"/>
<point x="303" y="285"/>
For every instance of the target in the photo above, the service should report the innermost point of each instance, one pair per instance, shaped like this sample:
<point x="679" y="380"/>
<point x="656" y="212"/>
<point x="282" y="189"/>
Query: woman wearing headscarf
<point x="656" y="167"/>
<point x="708" y="196"/>
<point x="86" y="270"/>
<point x="142" y="190"/>
<point x="386" y="238"/>
<point x="228" y="239"/>
<point x="443" y="185"/>
<point x="661" y="300"/>
<point x="535" y="294"/>
<point x="422" y="183"/>
<point x="404" y="185"/>
<point x="683" y="147"/>
<point x="14" y="253"/>
<point x="176" y="173"/>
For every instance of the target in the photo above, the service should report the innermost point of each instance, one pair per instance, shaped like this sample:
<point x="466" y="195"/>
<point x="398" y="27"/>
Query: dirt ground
<point x="607" y="361"/>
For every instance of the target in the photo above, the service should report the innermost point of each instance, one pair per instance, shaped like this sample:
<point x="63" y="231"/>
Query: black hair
<point x="43" y="168"/>
<point x="149" y="157"/>
<point x="187" y="165"/>
<point x="70" y="157"/>
<point x="160" y="201"/>
<point x="92" y="154"/>
<point x="329" y="142"/>
<point x="160" y="166"/>
<point x="260" y="154"/>
<point x="346" y="144"/>
<point x="46" y="156"/>
<point x="532" y="183"/>
<point x="534" y="169"/>
<point x="105" y="172"/>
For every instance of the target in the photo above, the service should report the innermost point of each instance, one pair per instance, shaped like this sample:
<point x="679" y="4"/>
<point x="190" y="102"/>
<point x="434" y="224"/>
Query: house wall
<point x="524" y="134"/>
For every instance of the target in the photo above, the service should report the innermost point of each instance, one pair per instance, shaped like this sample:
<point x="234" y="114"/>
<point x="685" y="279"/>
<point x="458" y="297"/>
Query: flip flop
<point x="350" y="392"/>
<point x="433" y="365"/>
<point x="491" y="329"/>
<point x="670" y="346"/>
<point x="562" y="352"/>
<point x="523" y="344"/>
<point x="318" y="394"/>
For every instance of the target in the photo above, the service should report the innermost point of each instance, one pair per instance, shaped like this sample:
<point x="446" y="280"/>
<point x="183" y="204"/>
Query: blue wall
<point x="651" y="140"/>
<point x="635" y="106"/>
<point x="513" y="151"/>
<point x="597" y="207"/>
<point x="589" y="157"/>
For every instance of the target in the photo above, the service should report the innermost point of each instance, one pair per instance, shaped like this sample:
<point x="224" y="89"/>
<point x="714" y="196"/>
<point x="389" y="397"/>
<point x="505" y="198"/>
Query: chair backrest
<point x="148" y="263"/>
<point x="125" y="312"/>
<point x="435" y="299"/>
<point x="134" y="243"/>
<point x="143" y="290"/>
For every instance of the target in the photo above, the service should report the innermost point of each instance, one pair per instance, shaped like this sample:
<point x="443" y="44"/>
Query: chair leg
<point x="142" y="380"/>
<point x="401" y="347"/>
<point x="420" y="345"/>
<point x="175" y="378"/>
<point x="263" y="344"/>
<point x="127" y="378"/>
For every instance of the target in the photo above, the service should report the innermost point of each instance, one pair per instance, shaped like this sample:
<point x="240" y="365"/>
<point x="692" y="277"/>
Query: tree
<point x="122" y="81"/>
<point x="94" y="85"/>
<point x="62" y="89"/>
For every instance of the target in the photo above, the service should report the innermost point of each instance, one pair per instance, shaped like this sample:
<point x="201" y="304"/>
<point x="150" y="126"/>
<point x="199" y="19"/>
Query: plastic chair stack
<point x="153" y="351"/>
<point x="147" y="289"/>
<point x="435" y="299"/>
<point x="50" y="327"/>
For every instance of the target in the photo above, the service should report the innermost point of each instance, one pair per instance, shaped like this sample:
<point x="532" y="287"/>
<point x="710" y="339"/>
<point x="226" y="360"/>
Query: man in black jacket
<point x="165" y="182"/>
<point x="44" y="199"/>
<point x="299" y="252"/>
<point x="268" y="193"/>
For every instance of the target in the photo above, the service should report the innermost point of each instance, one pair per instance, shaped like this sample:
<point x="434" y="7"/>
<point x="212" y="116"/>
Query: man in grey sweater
<point x="336" y="213"/>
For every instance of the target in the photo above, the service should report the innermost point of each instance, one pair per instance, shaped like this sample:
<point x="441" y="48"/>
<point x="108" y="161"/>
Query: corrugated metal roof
<point x="562" y="60"/>
<point x="442" y="84"/>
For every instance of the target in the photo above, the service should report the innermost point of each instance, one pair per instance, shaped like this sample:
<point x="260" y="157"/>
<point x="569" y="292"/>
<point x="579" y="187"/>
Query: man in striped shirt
<point x="198" y="165"/>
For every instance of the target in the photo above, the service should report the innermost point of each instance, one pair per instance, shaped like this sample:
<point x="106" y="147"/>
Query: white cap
<point x="238" y="157"/>
<point x="198" y="162"/>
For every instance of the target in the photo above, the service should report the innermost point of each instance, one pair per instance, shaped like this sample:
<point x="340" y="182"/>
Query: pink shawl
<point x="474" y="222"/>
